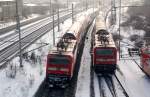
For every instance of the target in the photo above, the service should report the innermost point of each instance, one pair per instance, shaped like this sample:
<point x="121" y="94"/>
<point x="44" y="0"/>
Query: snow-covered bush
<point x="117" y="37"/>
<point x="11" y="70"/>
<point x="33" y="57"/>
<point x="134" y="37"/>
<point x="139" y="43"/>
<point x="31" y="80"/>
<point x="25" y="56"/>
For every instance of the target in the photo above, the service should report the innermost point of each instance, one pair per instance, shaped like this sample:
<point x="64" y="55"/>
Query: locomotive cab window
<point x="59" y="60"/>
<point x="147" y="51"/>
<point x="104" y="51"/>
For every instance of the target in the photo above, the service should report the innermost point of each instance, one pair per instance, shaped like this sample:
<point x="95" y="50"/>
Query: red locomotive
<point x="104" y="49"/>
<point x="145" y="59"/>
<point x="61" y="60"/>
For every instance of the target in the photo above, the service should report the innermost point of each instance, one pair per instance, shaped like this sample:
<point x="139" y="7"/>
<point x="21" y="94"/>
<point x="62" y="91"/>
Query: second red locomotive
<point x="104" y="49"/>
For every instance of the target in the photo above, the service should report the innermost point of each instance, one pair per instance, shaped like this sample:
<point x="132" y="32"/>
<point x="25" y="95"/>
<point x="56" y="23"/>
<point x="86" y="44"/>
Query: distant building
<point x="35" y="9"/>
<point x="8" y="9"/>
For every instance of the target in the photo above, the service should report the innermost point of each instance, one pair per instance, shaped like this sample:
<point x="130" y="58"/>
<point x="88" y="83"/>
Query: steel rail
<point x="110" y="84"/>
<point x="101" y="87"/>
<point x="4" y="43"/>
<point x="123" y="89"/>
<point x="23" y="23"/>
<point x="12" y="50"/>
<point x="141" y="68"/>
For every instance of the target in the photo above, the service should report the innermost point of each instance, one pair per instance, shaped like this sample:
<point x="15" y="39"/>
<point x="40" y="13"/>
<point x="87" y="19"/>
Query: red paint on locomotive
<point x="145" y="59"/>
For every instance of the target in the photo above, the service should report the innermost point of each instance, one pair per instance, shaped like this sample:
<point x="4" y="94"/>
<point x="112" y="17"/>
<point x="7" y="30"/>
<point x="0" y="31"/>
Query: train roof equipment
<point x="102" y="37"/>
<point x="67" y="43"/>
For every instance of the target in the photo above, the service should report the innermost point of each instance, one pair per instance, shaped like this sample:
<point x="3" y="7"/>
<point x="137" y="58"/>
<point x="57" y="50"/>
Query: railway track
<point x="141" y="68"/>
<point x="46" y="91"/>
<point x="11" y="50"/>
<point x="23" y="23"/>
<point x="110" y="84"/>
<point x="24" y="32"/>
<point x="123" y="89"/>
<point x="109" y="80"/>
<point x="101" y="87"/>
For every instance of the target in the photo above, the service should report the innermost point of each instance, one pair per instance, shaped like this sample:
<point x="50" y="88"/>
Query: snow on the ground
<point x="106" y="89"/>
<point x="134" y="80"/>
<point x="128" y="31"/>
<point x="7" y="24"/>
<point x="83" y="83"/>
<point x="96" y="86"/>
<point x="104" y="86"/>
<point x="46" y="20"/>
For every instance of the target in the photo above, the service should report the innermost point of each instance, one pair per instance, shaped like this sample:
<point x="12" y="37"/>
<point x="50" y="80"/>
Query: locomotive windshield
<point x="147" y="51"/>
<point x="62" y="60"/>
<point x="104" y="51"/>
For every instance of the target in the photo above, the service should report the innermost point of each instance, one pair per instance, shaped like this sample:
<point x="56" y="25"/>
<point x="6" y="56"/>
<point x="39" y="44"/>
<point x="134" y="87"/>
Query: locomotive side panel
<point x="145" y="60"/>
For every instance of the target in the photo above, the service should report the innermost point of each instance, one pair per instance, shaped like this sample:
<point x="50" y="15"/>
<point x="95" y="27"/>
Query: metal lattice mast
<point x="119" y="28"/>
<point x="18" y="30"/>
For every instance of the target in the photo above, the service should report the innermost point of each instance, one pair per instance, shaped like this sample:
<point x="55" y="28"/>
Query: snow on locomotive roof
<point x="102" y="32"/>
<point x="100" y="44"/>
<point x="69" y="36"/>
<point x="100" y="24"/>
<point x="66" y="51"/>
<point x="76" y="26"/>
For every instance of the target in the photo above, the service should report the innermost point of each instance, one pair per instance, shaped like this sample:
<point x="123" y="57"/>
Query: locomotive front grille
<point x="58" y="80"/>
<point x="104" y="68"/>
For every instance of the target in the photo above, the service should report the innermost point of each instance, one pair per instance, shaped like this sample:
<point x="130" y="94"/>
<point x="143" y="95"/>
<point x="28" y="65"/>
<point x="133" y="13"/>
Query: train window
<point x="59" y="60"/>
<point x="147" y="51"/>
<point x="104" y="51"/>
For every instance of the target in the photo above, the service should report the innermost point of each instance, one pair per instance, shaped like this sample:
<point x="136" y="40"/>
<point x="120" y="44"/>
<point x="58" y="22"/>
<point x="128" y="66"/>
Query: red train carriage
<point x="61" y="60"/>
<point x="145" y="59"/>
<point x="104" y="49"/>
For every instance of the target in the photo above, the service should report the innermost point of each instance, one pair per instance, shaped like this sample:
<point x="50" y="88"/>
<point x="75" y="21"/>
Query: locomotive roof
<point x="98" y="43"/>
<point x="100" y="24"/>
<point x="67" y="51"/>
<point x="76" y="27"/>
<point x="101" y="31"/>
<point x="72" y="35"/>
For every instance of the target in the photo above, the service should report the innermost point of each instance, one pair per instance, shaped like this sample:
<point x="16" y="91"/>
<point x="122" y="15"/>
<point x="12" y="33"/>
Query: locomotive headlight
<point x="102" y="60"/>
<point x="110" y="59"/>
<point x="64" y="69"/>
<point x="52" y="68"/>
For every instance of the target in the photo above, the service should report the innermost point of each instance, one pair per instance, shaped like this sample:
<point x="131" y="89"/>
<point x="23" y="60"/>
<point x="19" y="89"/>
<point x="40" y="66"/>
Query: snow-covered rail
<point x="101" y="87"/>
<point x="110" y="84"/>
<point x="27" y="22"/>
<point x="5" y="42"/>
<point x="11" y="50"/>
<point x="123" y="89"/>
<point x="46" y="91"/>
<point x="140" y="68"/>
<point x="108" y="81"/>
